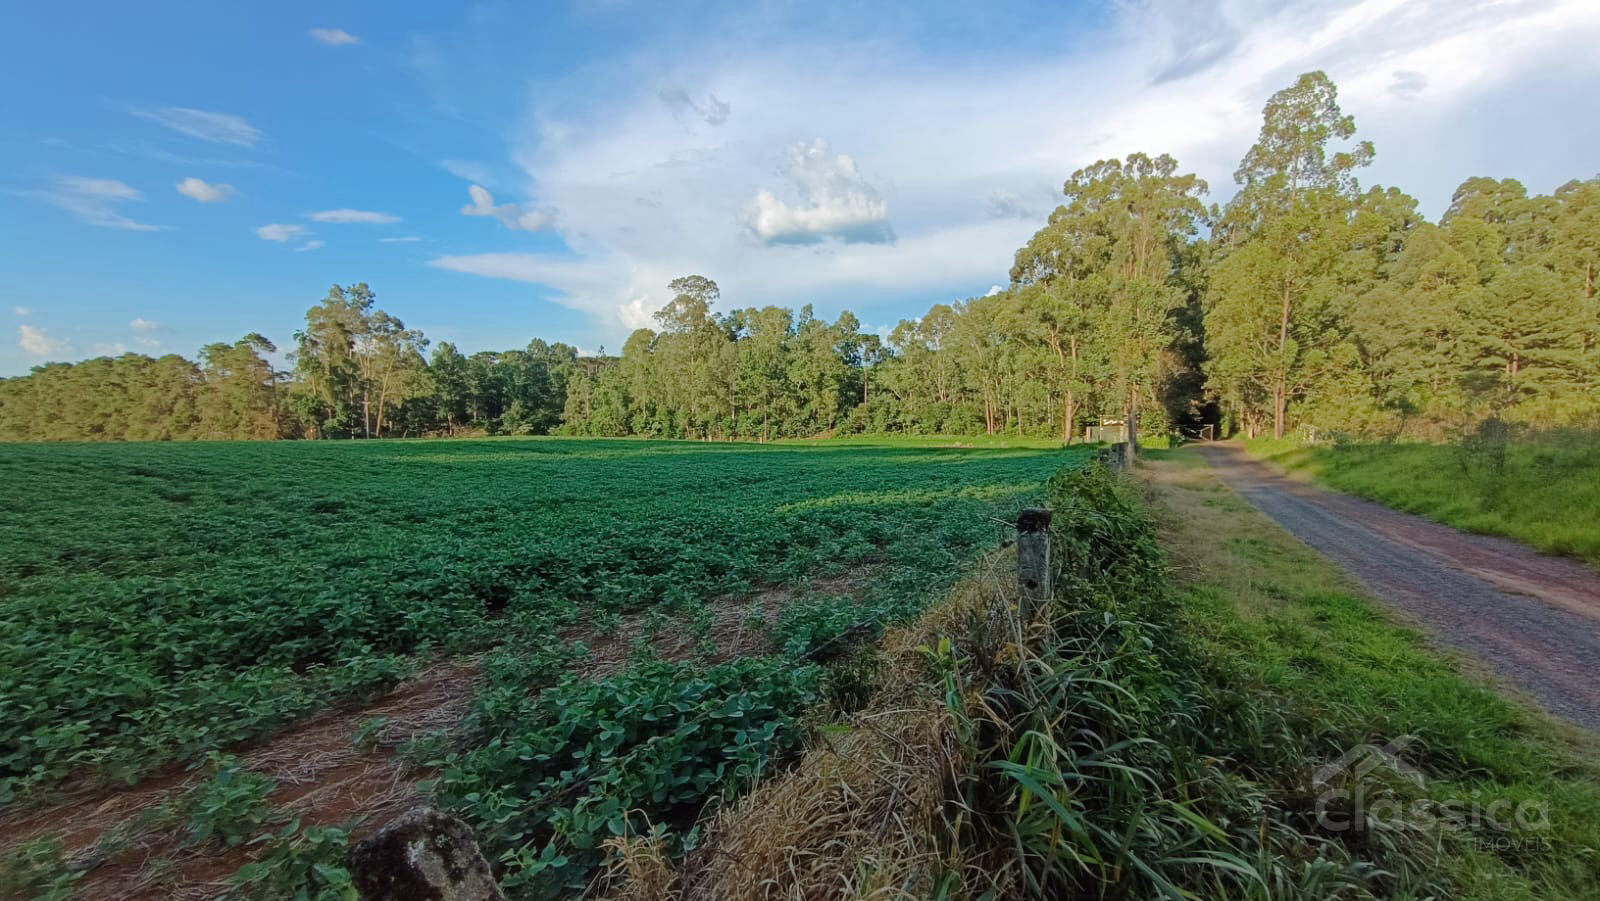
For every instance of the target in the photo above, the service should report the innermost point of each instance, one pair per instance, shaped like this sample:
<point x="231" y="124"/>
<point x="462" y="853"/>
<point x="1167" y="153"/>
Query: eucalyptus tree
<point x="1269" y="319"/>
<point x="1109" y="259"/>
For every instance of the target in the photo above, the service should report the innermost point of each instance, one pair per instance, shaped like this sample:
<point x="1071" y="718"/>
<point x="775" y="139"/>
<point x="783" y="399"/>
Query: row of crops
<point x="162" y="601"/>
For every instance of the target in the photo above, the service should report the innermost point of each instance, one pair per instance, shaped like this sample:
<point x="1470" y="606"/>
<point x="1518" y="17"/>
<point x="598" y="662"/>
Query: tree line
<point x="1305" y="301"/>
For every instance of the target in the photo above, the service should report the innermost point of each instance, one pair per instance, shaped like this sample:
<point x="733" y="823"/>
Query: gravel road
<point x="1533" y="619"/>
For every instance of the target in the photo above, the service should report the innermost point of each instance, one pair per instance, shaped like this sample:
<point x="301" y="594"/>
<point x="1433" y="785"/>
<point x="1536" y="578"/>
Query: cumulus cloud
<point x="203" y="191"/>
<point x="219" y="128"/>
<point x="94" y="201"/>
<point x="364" y="217"/>
<point x="835" y="201"/>
<point x="334" y="37"/>
<point x="510" y="214"/>
<point x="280" y="232"/>
<point x="971" y="149"/>
<point x="37" y="342"/>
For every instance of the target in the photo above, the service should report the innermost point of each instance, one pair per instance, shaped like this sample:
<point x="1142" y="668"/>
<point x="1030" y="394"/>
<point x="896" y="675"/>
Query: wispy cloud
<point x="22" y="311"/>
<point x="346" y="216"/>
<point x="469" y="170"/>
<point x="334" y="37"/>
<point x="313" y="244"/>
<point x="280" y="232"/>
<point x="403" y="239"/>
<point x="510" y="214"/>
<point x="220" y="128"/>
<point x="38" y="342"/>
<point x="204" y="191"/>
<point x="178" y="159"/>
<point x="94" y="201"/>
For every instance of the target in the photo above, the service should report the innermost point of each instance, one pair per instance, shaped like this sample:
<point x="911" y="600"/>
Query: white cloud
<point x="144" y="332"/>
<point x="835" y="201"/>
<point x="510" y="215"/>
<point x="469" y="170"/>
<point x="22" y="311"/>
<point x="313" y="244"/>
<point x="334" y="37"/>
<point x="203" y="191"/>
<point x="37" y="342"/>
<point x="403" y="239"/>
<point x="94" y="201"/>
<point x="970" y="150"/>
<point x="363" y="217"/>
<point x="220" y="128"/>
<point x="115" y="349"/>
<point x="280" y="232"/>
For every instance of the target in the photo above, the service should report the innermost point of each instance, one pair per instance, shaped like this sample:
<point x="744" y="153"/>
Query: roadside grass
<point x="1545" y="491"/>
<point x="1290" y="625"/>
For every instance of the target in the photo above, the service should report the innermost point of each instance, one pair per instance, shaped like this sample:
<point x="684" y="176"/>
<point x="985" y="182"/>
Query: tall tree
<point x="1268" y="317"/>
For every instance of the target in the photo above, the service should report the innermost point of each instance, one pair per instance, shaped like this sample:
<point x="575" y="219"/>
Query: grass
<point x="1545" y="494"/>
<point x="1287" y="624"/>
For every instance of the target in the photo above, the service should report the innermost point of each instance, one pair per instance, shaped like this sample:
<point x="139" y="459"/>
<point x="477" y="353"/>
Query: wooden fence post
<point x="1033" y="561"/>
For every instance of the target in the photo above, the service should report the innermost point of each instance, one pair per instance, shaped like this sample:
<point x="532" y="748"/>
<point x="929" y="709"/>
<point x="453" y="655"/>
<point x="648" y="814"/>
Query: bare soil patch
<point x="325" y="779"/>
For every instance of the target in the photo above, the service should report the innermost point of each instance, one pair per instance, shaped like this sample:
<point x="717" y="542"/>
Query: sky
<point x="176" y="174"/>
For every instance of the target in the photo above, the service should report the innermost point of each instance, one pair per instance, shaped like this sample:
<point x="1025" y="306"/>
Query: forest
<point x="1307" y="301"/>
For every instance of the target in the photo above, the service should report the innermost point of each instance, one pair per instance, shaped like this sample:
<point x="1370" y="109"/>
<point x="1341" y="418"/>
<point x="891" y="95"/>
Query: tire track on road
<point x="1533" y="619"/>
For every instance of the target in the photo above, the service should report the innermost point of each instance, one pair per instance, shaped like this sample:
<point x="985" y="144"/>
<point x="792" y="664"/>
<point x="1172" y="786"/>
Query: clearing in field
<point x="653" y="615"/>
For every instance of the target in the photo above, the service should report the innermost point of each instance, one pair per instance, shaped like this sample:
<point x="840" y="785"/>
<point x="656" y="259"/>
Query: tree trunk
<point x="1280" y="396"/>
<point x="1280" y="407"/>
<point x="1130" y="426"/>
<point x="1068" y="414"/>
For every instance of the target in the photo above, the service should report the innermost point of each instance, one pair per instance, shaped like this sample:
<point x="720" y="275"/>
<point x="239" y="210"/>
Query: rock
<point x="422" y="855"/>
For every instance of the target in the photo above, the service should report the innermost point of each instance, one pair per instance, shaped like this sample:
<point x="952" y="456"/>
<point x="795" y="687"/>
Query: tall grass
<point x="1541" y="488"/>
<point x="1142" y="739"/>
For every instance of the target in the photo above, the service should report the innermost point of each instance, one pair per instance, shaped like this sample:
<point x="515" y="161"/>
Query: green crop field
<point x="161" y="601"/>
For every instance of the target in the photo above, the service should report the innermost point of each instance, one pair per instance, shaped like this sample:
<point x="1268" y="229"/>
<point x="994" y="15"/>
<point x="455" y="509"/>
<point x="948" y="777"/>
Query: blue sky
<point x="175" y="174"/>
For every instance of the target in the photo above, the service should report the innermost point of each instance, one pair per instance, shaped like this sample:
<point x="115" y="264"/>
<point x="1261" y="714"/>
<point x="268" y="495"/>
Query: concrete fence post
<point x="1033" y="561"/>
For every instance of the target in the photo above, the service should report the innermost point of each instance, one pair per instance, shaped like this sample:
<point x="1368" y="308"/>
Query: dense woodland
<point x="1305" y="301"/>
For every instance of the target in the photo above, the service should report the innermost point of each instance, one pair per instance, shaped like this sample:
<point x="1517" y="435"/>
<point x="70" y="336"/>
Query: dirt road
<point x="1533" y="619"/>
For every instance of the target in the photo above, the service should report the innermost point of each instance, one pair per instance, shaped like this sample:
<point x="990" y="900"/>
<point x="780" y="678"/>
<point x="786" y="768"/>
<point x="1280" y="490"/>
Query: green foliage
<point x="163" y="601"/>
<point x="1310" y="303"/>
<point x="583" y="761"/>
<point x="1139" y="748"/>
<point x="231" y="806"/>
<point x="36" y="870"/>
<point x="303" y="864"/>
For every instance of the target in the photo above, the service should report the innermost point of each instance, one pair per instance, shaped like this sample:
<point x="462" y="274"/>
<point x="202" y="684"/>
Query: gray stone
<point x="422" y="855"/>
